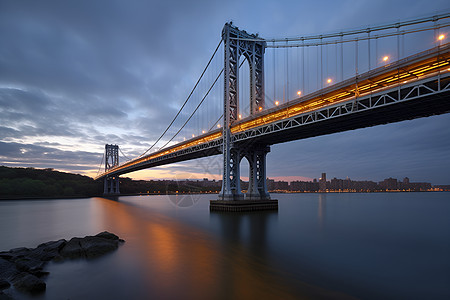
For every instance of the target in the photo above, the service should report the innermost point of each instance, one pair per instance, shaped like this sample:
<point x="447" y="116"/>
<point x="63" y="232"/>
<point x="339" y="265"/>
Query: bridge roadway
<point x="414" y="87"/>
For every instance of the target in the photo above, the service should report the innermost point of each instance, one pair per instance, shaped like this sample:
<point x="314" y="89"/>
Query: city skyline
<point x="78" y="75"/>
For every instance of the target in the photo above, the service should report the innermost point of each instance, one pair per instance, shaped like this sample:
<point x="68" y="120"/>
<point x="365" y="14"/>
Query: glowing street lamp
<point x="441" y="37"/>
<point x="203" y="131"/>
<point x="276" y="103"/>
<point x="329" y="80"/>
<point x="218" y="125"/>
<point x="385" y="58"/>
<point x="260" y="108"/>
<point x="240" y="117"/>
<point x="299" y="93"/>
<point x="193" y="135"/>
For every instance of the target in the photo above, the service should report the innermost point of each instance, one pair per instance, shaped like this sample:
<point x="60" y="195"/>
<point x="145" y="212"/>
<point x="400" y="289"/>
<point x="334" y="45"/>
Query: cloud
<point x="29" y="155"/>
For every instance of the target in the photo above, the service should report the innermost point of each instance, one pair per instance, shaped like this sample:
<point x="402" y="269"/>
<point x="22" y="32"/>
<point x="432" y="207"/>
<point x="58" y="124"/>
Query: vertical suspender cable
<point x="274" y="74"/>
<point x="101" y="163"/>
<point x="368" y="47"/>
<point x="436" y="38"/>
<point x="376" y="52"/>
<point x="321" y="67"/>
<point x="336" y="60"/>
<point x="303" y="67"/>
<point x="356" y="68"/>
<point x="326" y="62"/>
<point x="297" y="69"/>
<point x="317" y="69"/>
<point x="398" y="56"/>
<point x="403" y="45"/>
<point x="356" y="57"/>
<point x="342" y="58"/>
<point x="287" y="72"/>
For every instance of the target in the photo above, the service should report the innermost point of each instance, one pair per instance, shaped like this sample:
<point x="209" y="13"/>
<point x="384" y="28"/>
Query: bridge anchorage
<point x="231" y="198"/>
<point x="111" y="183"/>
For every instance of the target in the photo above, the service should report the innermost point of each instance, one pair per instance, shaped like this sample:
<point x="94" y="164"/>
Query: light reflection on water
<point x="316" y="246"/>
<point x="182" y="261"/>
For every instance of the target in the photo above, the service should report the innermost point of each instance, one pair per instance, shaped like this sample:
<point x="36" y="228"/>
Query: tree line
<point x="31" y="182"/>
<point x="18" y="183"/>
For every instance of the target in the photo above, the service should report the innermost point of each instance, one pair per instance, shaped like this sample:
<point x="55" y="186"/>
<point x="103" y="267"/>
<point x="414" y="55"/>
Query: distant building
<point x="304" y="186"/>
<point x="273" y="185"/>
<point x="389" y="184"/>
<point x="323" y="182"/>
<point x="406" y="181"/>
<point x="348" y="185"/>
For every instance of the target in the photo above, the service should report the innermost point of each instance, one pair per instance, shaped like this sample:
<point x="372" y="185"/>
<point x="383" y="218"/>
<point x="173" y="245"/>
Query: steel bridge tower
<point x="111" y="183"/>
<point x="237" y="43"/>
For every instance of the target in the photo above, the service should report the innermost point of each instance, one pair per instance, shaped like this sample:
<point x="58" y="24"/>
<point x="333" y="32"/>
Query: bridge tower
<point x="237" y="43"/>
<point x="111" y="183"/>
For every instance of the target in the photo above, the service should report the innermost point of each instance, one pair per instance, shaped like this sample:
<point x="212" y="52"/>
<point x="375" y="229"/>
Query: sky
<point x="76" y="75"/>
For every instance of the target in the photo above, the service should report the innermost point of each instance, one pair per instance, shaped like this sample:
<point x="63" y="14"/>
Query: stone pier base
<point x="242" y="205"/>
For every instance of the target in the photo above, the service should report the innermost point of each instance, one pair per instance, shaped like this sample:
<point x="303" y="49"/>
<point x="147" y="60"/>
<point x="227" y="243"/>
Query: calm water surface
<point x="344" y="246"/>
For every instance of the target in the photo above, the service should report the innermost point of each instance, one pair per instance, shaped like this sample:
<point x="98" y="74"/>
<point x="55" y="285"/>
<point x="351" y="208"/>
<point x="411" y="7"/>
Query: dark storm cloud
<point x="103" y="59"/>
<point x="103" y="55"/>
<point x="15" y="154"/>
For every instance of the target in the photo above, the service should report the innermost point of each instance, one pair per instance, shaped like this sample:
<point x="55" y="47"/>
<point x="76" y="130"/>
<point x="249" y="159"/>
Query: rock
<point x="48" y="251"/>
<point x="28" y="264"/>
<point x="23" y="267"/>
<point x="6" y="255"/>
<point x="4" y="284"/>
<point x="94" y="246"/>
<point x="72" y="249"/>
<point x="21" y="250"/>
<point x="107" y="235"/>
<point x="3" y="296"/>
<point x="28" y="283"/>
<point x="90" y="246"/>
<point x="15" y="253"/>
<point x="7" y="269"/>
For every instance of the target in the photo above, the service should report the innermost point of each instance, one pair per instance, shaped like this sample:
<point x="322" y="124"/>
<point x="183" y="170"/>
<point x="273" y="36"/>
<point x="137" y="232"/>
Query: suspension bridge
<point x="284" y="89"/>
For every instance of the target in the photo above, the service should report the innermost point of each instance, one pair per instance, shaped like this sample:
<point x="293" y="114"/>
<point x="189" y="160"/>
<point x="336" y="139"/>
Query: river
<point x="317" y="246"/>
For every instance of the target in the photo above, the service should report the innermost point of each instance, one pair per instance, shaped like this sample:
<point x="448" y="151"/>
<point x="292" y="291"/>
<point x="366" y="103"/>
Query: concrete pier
<point x="242" y="205"/>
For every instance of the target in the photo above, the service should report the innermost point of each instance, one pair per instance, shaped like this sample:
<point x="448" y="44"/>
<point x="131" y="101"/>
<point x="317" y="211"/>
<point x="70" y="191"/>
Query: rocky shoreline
<point x="23" y="268"/>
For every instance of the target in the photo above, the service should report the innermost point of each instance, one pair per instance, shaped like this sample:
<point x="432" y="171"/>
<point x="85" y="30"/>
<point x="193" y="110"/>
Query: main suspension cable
<point x="184" y="104"/>
<point x="195" y="110"/>
<point x="124" y="155"/>
<point x="101" y="163"/>
<point x="198" y="106"/>
<point x="353" y="39"/>
<point x="214" y="125"/>
<point x="433" y="18"/>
